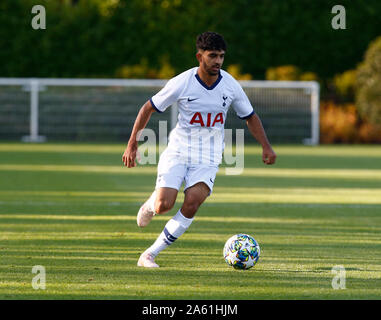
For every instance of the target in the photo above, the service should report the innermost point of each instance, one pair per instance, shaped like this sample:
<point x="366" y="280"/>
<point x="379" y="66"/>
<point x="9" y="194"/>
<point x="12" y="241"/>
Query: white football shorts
<point x="172" y="173"/>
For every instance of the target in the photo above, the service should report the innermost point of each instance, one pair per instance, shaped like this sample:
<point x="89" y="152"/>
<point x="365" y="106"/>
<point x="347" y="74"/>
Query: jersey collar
<point x="205" y="85"/>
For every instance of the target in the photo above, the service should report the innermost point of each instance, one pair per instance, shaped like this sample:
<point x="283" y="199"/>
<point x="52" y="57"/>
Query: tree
<point x="368" y="84"/>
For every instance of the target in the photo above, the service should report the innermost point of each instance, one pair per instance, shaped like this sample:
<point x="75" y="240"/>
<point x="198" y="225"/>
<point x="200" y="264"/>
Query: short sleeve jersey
<point x="199" y="133"/>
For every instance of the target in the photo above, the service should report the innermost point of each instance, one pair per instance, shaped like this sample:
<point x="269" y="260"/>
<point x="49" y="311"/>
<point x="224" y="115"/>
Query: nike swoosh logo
<point x="189" y="99"/>
<point x="211" y="180"/>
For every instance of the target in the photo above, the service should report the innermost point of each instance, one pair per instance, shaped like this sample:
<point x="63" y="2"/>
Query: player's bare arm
<point x="258" y="132"/>
<point x="141" y="121"/>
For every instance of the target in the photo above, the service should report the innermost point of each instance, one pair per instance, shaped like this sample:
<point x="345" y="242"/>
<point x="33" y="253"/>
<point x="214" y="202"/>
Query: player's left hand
<point x="268" y="155"/>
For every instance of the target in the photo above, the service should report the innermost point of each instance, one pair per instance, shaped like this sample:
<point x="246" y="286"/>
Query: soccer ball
<point x="241" y="251"/>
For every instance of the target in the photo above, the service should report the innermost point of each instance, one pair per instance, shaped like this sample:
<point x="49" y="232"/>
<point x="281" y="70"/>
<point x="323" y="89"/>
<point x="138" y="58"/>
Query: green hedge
<point x="86" y="40"/>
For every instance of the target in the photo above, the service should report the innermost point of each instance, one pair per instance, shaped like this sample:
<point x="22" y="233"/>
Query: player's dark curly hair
<point x="210" y="41"/>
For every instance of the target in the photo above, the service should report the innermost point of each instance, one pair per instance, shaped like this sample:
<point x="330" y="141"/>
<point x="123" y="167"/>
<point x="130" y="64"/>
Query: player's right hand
<point x="129" y="156"/>
<point x="268" y="155"/>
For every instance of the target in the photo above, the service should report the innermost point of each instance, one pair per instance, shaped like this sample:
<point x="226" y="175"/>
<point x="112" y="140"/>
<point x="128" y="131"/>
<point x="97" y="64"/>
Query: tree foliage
<point x="98" y="38"/>
<point x="368" y="95"/>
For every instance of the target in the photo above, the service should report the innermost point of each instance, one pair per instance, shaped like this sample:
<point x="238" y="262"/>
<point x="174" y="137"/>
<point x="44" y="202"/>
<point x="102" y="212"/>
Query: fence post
<point x="315" y="134"/>
<point x="33" y="135"/>
<point x="315" y="114"/>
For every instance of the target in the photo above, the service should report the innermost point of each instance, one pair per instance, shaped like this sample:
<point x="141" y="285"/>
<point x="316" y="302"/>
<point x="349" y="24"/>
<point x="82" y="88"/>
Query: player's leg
<point x="198" y="186"/>
<point x="169" y="180"/>
<point x="161" y="201"/>
<point x="170" y="176"/>
<point x="194" y="197"/>
<point x="165" y="199"/>
<point x="175" y="227"/>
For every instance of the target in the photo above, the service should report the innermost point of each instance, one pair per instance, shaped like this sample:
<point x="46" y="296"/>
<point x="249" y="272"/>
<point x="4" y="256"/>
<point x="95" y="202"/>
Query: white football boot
<point x="147" y="260"/>
<point x="146" y="211"/>
<point x="145" y="215"/>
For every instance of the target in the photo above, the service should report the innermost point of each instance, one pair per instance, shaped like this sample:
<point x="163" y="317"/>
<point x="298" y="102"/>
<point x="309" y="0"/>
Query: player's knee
<point x="162" y="206"/>
<point x="190" y="208"/>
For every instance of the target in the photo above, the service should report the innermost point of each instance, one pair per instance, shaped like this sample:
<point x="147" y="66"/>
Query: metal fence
<point x="36" y="109"/>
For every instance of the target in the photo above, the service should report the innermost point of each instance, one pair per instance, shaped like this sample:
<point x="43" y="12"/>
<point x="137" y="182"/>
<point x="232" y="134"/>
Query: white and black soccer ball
<point x="241" y="251"/>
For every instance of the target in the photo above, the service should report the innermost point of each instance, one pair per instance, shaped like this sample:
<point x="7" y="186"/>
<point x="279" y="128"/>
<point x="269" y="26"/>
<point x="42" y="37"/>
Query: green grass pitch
<point x="72" y="209"/>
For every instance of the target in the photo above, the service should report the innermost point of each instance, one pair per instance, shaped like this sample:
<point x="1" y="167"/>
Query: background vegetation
<point x="277" y="40"/>
<point x="95" y="38"/>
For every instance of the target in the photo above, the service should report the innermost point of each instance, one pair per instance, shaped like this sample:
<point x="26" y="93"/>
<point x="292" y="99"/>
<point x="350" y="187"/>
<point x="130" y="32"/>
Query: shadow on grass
<point x="90" y="181"/>
<point x="167" y="283"/>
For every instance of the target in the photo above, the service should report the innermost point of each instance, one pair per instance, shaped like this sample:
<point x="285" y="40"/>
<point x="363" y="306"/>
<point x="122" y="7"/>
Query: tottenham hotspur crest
<point x="224" y="98"/>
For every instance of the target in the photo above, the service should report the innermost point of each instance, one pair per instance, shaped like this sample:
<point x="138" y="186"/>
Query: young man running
<point x="203" y="95"/>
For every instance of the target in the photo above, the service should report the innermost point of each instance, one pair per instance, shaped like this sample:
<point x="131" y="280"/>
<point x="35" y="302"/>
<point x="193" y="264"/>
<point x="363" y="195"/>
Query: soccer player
<point x="203" y="95"/>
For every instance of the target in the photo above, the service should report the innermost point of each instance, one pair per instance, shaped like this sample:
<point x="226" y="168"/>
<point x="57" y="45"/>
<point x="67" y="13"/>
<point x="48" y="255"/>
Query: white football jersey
<point x="198" y="137"/>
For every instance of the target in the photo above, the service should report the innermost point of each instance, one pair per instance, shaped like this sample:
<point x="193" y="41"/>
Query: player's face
<point x="211" y="61"/>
